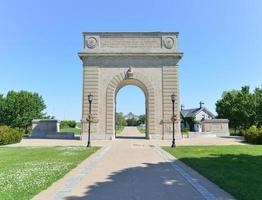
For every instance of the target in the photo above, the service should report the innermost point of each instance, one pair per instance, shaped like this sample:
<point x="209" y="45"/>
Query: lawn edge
<point x="215" y="189"/>
<point x="60" y="183"/>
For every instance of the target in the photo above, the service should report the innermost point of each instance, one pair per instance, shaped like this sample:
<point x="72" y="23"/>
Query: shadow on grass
<point x="238" y="174"/>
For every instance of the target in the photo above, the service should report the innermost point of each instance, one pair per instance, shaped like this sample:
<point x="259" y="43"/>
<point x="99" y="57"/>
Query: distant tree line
<point x="121" y="121"/>
<point x="242" y="107"/>
<point x="68" y="124"/>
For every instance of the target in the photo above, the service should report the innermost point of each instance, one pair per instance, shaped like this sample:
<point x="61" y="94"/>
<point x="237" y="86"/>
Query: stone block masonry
<point x="148" y="60"/>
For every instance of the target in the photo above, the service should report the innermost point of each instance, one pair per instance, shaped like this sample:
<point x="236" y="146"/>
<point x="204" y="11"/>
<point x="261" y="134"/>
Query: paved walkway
<point x="132" y="132"/>
<point x="132" y="169"/>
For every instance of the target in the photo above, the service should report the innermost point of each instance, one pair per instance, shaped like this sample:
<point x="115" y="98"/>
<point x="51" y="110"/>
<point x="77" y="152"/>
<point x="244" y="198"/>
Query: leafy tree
<point x="1" y="109"/>
<point x="246" y="108"/>
<point x="120" y="120"/>
<point x="132" y="122"/>
<point x="239" y="107"/>
<point x="226" y="108"/>
<point x="191" y="122"/>
<point x="68" y="124"/>
<point x="258" y="103"/>
<point x="142" y="119"/>
<point x="20" y="108"/>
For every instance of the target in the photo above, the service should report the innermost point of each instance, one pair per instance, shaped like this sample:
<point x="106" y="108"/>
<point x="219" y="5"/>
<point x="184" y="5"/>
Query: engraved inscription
<point x="130" y="42"/>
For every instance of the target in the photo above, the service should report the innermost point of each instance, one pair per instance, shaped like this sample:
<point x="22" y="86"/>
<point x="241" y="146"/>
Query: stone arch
<point x="119" y="81"/>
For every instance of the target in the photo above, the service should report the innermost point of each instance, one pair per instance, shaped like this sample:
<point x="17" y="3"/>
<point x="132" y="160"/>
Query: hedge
<point x="9" y="135"/>
<point x="68" y="124"/>
<point x="253" y="135"/>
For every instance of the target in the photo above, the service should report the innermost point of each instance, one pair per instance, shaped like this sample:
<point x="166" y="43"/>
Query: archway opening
<point x="130" y="112"/>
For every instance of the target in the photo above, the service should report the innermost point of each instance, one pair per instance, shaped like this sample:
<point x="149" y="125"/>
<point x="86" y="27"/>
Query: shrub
<point x="9" y="135"/>
<point x="253" y="135"/>
<point x="241" y="132"/>
<point x="132" y="122"/>
<point x="185" y="130"/>
<point x="68" y="124"/>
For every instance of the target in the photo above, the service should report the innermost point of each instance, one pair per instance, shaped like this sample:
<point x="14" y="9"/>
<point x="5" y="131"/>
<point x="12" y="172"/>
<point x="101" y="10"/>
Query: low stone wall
<point x="49" y="129"/>
<point x="218" y="126"/>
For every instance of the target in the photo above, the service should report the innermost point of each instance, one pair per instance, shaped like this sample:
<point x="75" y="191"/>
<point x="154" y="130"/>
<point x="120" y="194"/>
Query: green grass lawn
<point x="74" y="130"/>
<point x="141" y="130"/>
<point x="25" y="171"/>
<point x="236" y="169"/>
<point x="119" y="129"/>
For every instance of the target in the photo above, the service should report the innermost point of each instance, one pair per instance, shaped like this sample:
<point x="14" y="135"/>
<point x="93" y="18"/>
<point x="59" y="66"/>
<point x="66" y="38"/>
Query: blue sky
<point x="39" y="41"/>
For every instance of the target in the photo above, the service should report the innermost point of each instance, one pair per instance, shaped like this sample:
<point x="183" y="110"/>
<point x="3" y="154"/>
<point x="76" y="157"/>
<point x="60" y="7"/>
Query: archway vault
<point x="119" y="81"/>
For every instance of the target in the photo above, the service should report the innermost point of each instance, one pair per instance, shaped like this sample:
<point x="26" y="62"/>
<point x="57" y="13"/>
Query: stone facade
<point x="49" y="128"/>
<point x="148" y="60"/>
<point x="45" y="126"/>
<point x="217" y="126"/>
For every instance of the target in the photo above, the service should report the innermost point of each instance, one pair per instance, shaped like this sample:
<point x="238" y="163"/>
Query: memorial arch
<point x="148" y="60"/>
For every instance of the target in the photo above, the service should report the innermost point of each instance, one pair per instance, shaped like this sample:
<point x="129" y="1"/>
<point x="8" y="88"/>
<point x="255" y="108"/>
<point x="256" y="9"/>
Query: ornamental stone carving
<point x="168" y="42"/>
<point x="91" y="42"/>
<point x="130" y="72"/>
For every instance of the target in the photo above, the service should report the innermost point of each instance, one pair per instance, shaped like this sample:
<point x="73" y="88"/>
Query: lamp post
<point x="173" y="98"/>
<point x="90" y="99"/>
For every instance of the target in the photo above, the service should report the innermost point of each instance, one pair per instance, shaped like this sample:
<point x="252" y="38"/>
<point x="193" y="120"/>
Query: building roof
<point x="194" y="111"/>
<point x="130" y="115"/>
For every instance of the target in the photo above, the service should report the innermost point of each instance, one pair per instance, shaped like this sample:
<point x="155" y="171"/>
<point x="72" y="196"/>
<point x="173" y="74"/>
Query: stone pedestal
<point x="49" y="128"/>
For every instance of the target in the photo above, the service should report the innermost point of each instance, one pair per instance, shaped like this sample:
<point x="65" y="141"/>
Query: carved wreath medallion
<point x="169" y="42"/>
<point x="91" y="42"/>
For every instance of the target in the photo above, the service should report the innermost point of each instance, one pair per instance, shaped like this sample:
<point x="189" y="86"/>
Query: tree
<point x="132" y="122"/>
<point x="120" y="120"/>
<point x="68" y="124"/>
<point x="258" y="101"/>
<point x="1" y="109"/>
<point x="246" y="107"/>
<point x="142" y="119"/>
<point x="239" y="107"/>
<point x="20" y="108"/>
<point x="190" y="121"/>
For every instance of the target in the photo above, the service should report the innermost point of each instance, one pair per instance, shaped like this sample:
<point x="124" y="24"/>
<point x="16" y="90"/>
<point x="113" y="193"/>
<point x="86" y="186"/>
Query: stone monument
<point x="49" y="128"/>
<point x="112" y="60"/>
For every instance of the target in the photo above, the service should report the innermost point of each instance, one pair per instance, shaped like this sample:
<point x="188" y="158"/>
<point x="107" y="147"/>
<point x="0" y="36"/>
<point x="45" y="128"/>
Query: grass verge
<point x="141" y="130"/>
<point x="25" y="171"/>
<point x="119" y="129"/>
<point x="236" y="169"/>
<point x="74" y="130"/>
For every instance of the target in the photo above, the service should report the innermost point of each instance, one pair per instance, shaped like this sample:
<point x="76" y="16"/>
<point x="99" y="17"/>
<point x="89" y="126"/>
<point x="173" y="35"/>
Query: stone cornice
<point x="157" y="33"/>
<point x="130" y="54"/>
<point x="124" y="43"/>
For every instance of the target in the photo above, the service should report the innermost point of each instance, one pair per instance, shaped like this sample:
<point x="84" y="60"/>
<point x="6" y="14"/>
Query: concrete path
<point x="232" y="140"/>
<point x="131" y="132"/>
<point x="132" y="169"/>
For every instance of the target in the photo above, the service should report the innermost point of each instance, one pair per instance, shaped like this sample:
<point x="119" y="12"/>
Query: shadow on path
<point x="239" y="174"/>
<point x="151" y="182"/>
<point x="131" y="137"/>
